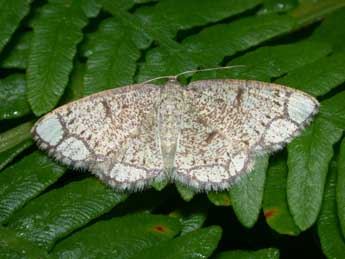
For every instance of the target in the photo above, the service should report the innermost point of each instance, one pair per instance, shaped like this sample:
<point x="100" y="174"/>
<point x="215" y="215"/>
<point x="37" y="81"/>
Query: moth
<point x="205" y="135"/>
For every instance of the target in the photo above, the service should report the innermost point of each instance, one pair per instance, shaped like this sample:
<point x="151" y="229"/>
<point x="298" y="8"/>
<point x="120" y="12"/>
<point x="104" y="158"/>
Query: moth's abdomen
<point x="169" y="123"/>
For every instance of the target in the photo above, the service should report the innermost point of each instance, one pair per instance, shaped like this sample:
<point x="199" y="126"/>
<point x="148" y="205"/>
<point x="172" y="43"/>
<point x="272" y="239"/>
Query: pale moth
<point x="205" y="135"/>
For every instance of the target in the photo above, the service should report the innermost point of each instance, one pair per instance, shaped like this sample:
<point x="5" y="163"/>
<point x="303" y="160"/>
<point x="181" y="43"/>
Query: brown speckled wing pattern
<point x="205" y="135"/>
<point x="230" y="122"/>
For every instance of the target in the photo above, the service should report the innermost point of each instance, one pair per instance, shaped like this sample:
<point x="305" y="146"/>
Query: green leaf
<point x="340" y="187"/>
<point x="277" y="6"/>
<point x="327" y="33"/>
<point x="144" y="1"/>
<point x="181" y="10"/>
<point x="114" y="56"/>
<point x="192" y="215"/>
<point x="120" y="237"/>
<point x="56" y="35"/>
<point x="202" y="49"/>
<point x="11" y="13"/>
<point x="7" y="156"/>
<point x="311" y="153"/>
<point x="308" y="159"/>
<point x="15" y="136"/>
<point x="75" y="87"/>
<point x="333" y="110"/>
<point x="192" y="222"/>
<point x="332" y="243"/>
<point x="109" y="5"/>
<point x="170" y="16"/>
<point x="219" y="198"/>
<point x="319" y="77"/>
<point x="140" y="202"/>
<point x="25" y="180"/>
<point x="14" y="247"/>
<point x="275" y="204"/>
<point x="91" y="8"/>
<point x="246" y="195"/>
<point x="310" y="11"/>
<point x="17" y="56"/>
<point x="57" y="213"/>
<point x="197" y="244"/>
<point x="13" y="97"/>
<point x="267" y="253"/>
<point x="244" y="33"/>
<point x="160" y="185"/>
<point x="275" y="61"/>
<point x="271" y="61"/>
<point x="186" y="193"/>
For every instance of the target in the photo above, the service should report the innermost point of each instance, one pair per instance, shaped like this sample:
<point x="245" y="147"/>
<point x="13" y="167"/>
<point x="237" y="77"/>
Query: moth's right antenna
<point x="192" y="71"/>
<point x="207" y="69"/>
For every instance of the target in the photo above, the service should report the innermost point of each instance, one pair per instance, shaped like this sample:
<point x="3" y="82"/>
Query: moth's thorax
<point x="169" y="121"/>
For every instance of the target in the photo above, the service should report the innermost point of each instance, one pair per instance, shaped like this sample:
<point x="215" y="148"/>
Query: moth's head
<point x="172" y="84"/>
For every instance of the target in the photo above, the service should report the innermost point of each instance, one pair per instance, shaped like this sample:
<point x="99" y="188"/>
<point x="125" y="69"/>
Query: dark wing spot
<point x="201" y="121"/>
<point x="211" y="136"/>
<point x="71" y="121"/>
<point x="106" y="108"/>
<point x="219" y="101"/>
<point x="277" y="93"/>
<point x="68" y="112"/>
<point x="239" y="96"/>
<point x="277" y="103"/>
